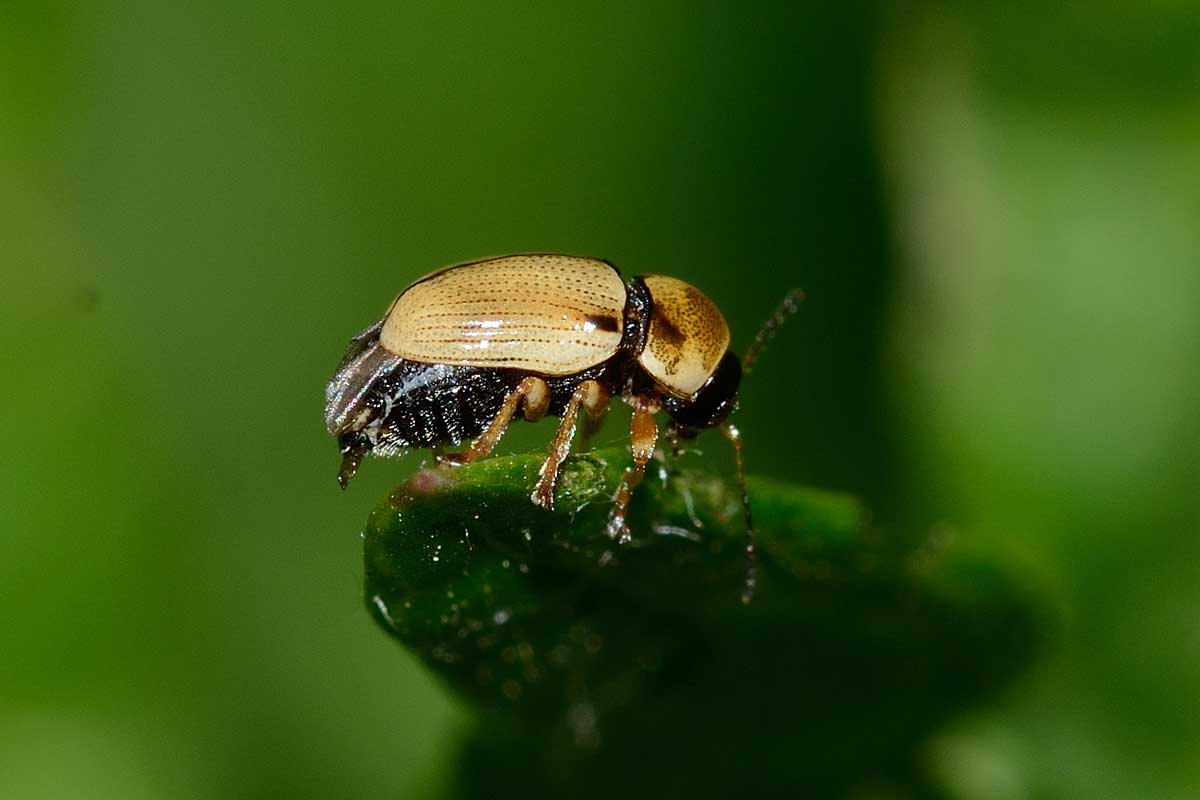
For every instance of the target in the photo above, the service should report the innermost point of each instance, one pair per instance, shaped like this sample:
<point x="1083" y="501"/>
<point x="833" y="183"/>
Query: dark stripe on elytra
<point x="605" y="323"/>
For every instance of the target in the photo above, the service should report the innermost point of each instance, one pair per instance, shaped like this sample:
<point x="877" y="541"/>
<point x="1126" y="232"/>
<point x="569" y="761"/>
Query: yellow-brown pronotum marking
<point x="687" y="338"/>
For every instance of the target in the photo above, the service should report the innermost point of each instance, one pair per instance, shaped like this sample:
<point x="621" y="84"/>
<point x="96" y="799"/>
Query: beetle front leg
<point x="531" y="392"/>
<point x="643" y="436"/>
<point x="594" y="398"/>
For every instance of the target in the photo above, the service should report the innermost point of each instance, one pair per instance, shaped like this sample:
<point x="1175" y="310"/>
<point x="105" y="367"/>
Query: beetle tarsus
<point x="457" y="459"/>
<point x="618" y="528"/>
<point x="543" y="495"/>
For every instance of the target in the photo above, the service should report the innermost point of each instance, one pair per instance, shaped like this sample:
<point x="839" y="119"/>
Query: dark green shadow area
<point x="601" y="670"/>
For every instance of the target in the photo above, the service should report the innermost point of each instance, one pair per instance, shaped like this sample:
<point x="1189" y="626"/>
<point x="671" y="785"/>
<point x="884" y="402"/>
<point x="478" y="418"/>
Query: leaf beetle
<point x="461" y="352"/>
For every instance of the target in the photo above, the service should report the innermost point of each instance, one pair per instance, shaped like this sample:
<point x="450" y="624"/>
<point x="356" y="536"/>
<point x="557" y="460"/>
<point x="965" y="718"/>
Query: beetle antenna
<point x="783" y="312"/>
<point x="751" y="583"/>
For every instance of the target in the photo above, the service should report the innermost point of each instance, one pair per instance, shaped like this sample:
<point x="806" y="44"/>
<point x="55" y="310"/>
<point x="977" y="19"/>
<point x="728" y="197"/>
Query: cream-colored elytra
<point x="688" y="336"/>
<point x="548" y="314"/>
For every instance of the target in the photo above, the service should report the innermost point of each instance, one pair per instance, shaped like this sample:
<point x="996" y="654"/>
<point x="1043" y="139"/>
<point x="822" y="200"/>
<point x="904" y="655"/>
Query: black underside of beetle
<point x="435" y="404"/>
<point x="438" y="404"/>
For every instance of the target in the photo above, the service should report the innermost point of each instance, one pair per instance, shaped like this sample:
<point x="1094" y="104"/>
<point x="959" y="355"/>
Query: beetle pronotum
<point x="460" y="353"/>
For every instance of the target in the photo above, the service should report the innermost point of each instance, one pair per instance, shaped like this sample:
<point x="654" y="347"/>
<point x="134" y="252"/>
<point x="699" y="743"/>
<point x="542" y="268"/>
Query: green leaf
<point x="596" y="667"/>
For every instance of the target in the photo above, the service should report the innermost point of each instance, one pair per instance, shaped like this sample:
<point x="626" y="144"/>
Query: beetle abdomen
<point x="426" y="405"/>
<point x="548" y="314"/>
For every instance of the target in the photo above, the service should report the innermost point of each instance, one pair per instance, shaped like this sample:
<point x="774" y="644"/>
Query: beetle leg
<point x="532" y="392"/>
<point x="593" y="397"/>
<point x="643" y="436"/>
<point x="537" y="399"/>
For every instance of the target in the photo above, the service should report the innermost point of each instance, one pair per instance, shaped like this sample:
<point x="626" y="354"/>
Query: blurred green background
<point x="994" y="208"/>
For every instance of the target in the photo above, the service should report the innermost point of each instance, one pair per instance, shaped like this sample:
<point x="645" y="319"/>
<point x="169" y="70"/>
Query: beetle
<point x="461" y="352"/>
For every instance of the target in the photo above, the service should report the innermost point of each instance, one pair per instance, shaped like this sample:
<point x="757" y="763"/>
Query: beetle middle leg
<point x="532" y="393"/>
<point x="643" y="437"/>
<point x="593" y="397"/>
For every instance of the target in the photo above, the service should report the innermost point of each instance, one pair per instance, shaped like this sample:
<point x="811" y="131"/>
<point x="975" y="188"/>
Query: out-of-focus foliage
<point x="1044" y="168"/>
<point x="993" y="209"/>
